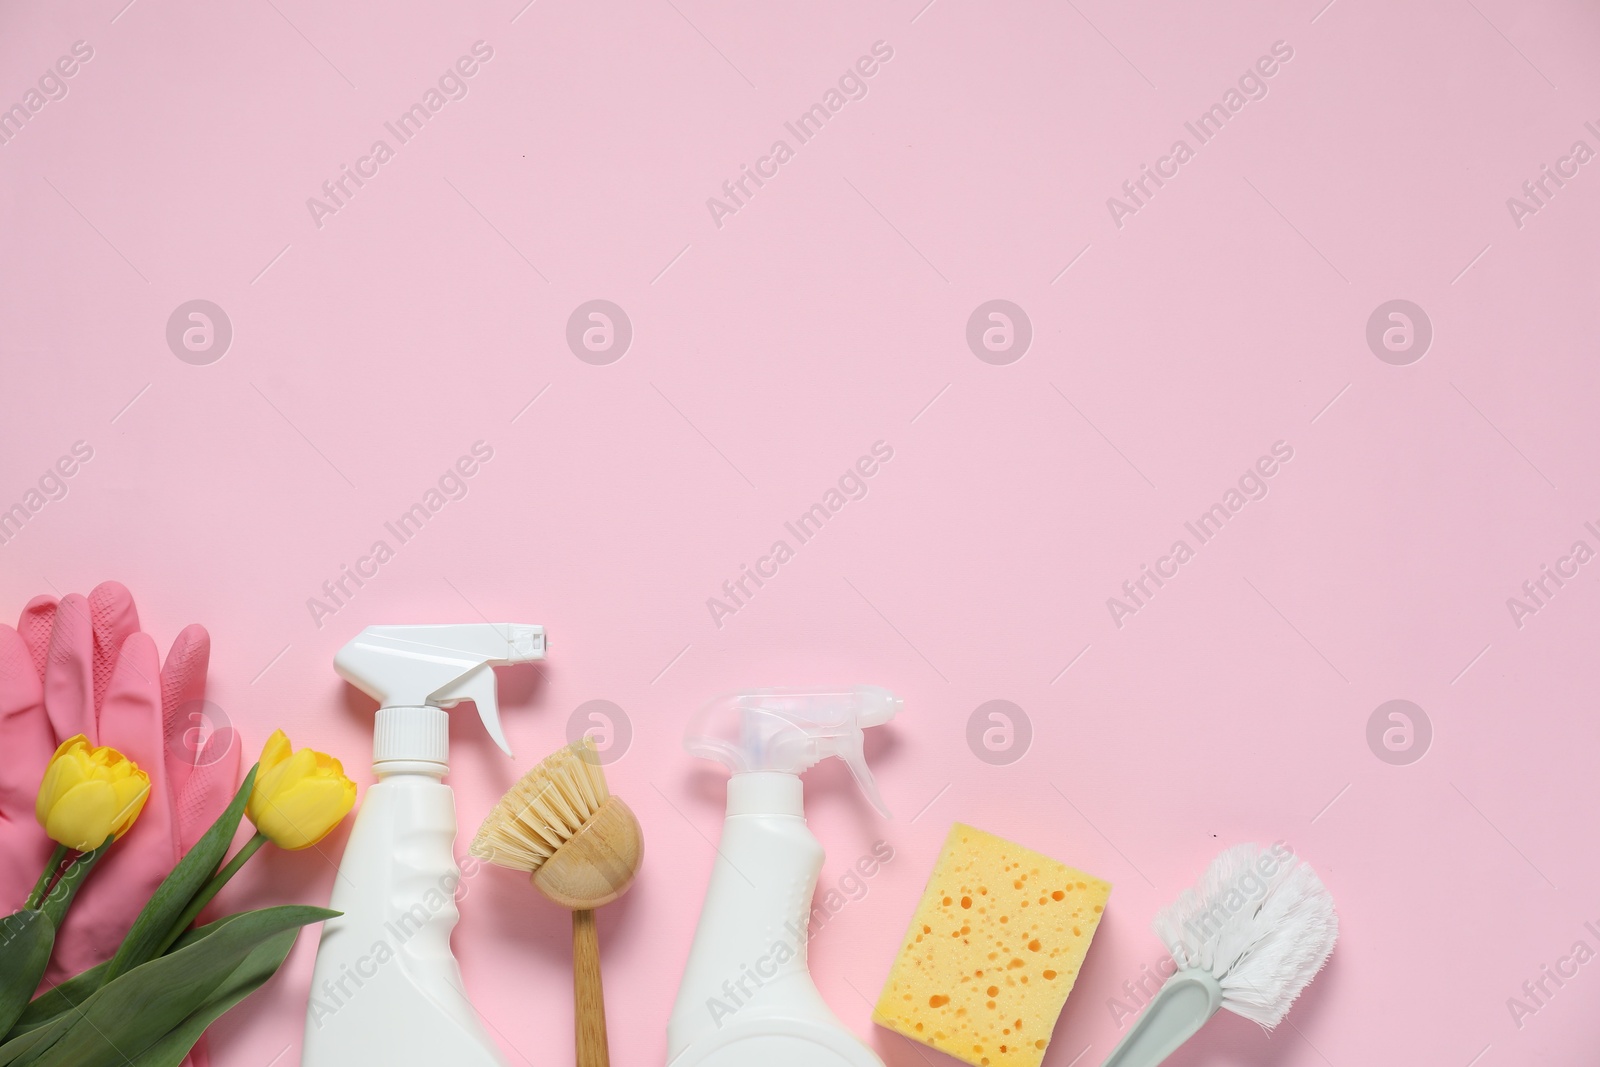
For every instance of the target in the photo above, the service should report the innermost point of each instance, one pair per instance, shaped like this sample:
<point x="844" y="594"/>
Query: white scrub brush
<point x="1248" y="938"/>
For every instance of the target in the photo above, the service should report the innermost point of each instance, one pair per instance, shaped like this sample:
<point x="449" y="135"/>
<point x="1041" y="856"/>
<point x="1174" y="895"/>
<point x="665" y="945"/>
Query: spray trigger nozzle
<point x="789" y="730"/>
<point x="478" y="686"/>
<point x="409" y="669"/>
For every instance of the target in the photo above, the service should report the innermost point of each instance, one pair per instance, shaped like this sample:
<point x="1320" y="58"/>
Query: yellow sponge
<point x="992" y="951"/>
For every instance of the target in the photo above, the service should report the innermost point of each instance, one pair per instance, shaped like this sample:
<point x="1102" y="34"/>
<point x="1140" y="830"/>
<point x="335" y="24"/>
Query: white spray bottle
<point x="747" y="996"/>
<point x="386" y="988"/>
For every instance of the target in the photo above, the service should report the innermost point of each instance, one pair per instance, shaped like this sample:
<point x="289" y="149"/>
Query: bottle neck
<point x="409" y="768"/>
<point x="766" y="793"/>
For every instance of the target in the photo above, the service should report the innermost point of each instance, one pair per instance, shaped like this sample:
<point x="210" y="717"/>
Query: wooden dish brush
<point x="583" y="847"/>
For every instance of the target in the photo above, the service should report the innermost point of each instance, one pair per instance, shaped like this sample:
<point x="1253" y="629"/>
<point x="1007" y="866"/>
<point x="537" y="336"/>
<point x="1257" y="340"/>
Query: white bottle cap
<point x="412" y="734"/>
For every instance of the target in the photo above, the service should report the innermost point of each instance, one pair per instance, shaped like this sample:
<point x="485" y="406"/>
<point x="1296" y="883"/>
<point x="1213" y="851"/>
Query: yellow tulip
<point x="89" y="794"/>
<point x="299" y="797"/>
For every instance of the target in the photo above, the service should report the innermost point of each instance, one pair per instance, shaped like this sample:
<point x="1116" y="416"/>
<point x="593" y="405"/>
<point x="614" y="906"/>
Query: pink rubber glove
<point x="83" y="666"/>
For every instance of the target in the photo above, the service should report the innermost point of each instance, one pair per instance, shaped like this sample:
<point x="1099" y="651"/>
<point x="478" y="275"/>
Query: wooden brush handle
<point x="588" y="996"/>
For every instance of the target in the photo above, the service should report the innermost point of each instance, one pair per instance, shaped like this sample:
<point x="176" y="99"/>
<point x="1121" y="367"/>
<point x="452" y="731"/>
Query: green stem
<point x="211" y="889"/>
<point x="59" y="899"/>
<point x="46" y="879"/>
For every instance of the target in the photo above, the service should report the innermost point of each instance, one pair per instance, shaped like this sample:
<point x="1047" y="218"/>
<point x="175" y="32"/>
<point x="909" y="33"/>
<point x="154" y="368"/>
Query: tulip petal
<point x="304" y="814"/>
<point x="88" y="794"/>
<point x="275" y="751"/>
<point x="288" y="772"/>
<point x="299" y="797"/>
<point x="83" y="816"/>
<point x="327" y="764"/>
<point x="67" y="768"/>
<point x="300" y="765"/>
<point x="278" y="769"/>
<point x="131" y="794"/>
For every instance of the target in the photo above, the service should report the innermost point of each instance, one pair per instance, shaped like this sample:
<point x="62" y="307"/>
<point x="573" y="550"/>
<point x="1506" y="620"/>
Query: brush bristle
<point x="1262" y="936"/>
<point x="544" y="809"/>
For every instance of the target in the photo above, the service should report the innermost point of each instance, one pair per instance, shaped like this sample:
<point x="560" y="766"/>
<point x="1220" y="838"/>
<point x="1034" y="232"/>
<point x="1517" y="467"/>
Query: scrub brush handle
<point x="1175" y="1014"/>
<point x="588" y="996"/>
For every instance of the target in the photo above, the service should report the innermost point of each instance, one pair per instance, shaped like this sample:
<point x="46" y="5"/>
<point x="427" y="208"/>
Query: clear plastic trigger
<point x="478" y="686"/>
<point x="852" y="749"/>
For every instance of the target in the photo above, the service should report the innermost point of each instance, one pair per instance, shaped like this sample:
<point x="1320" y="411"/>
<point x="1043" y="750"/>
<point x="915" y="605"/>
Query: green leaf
<point x="249" y="976"/>
<point x="134" y="1011"/>
<point x="151" y="930"/>
<point x="59" y="998"/>
<point x="67" y="995"/>
<point x="26" y="938"/>
<point x="23" y="1049"/>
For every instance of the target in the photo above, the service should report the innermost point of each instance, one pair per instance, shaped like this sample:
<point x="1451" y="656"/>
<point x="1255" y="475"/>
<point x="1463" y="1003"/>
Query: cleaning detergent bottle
<point x="747" y="996"/>
<point x="386" y="988"/>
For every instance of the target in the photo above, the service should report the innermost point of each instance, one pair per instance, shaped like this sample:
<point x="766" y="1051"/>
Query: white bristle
<point x="544" y="809"/>
<point x="1263" y="937"/>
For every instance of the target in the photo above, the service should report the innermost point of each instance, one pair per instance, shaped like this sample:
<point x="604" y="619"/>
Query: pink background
<point x="769" y="353"/>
